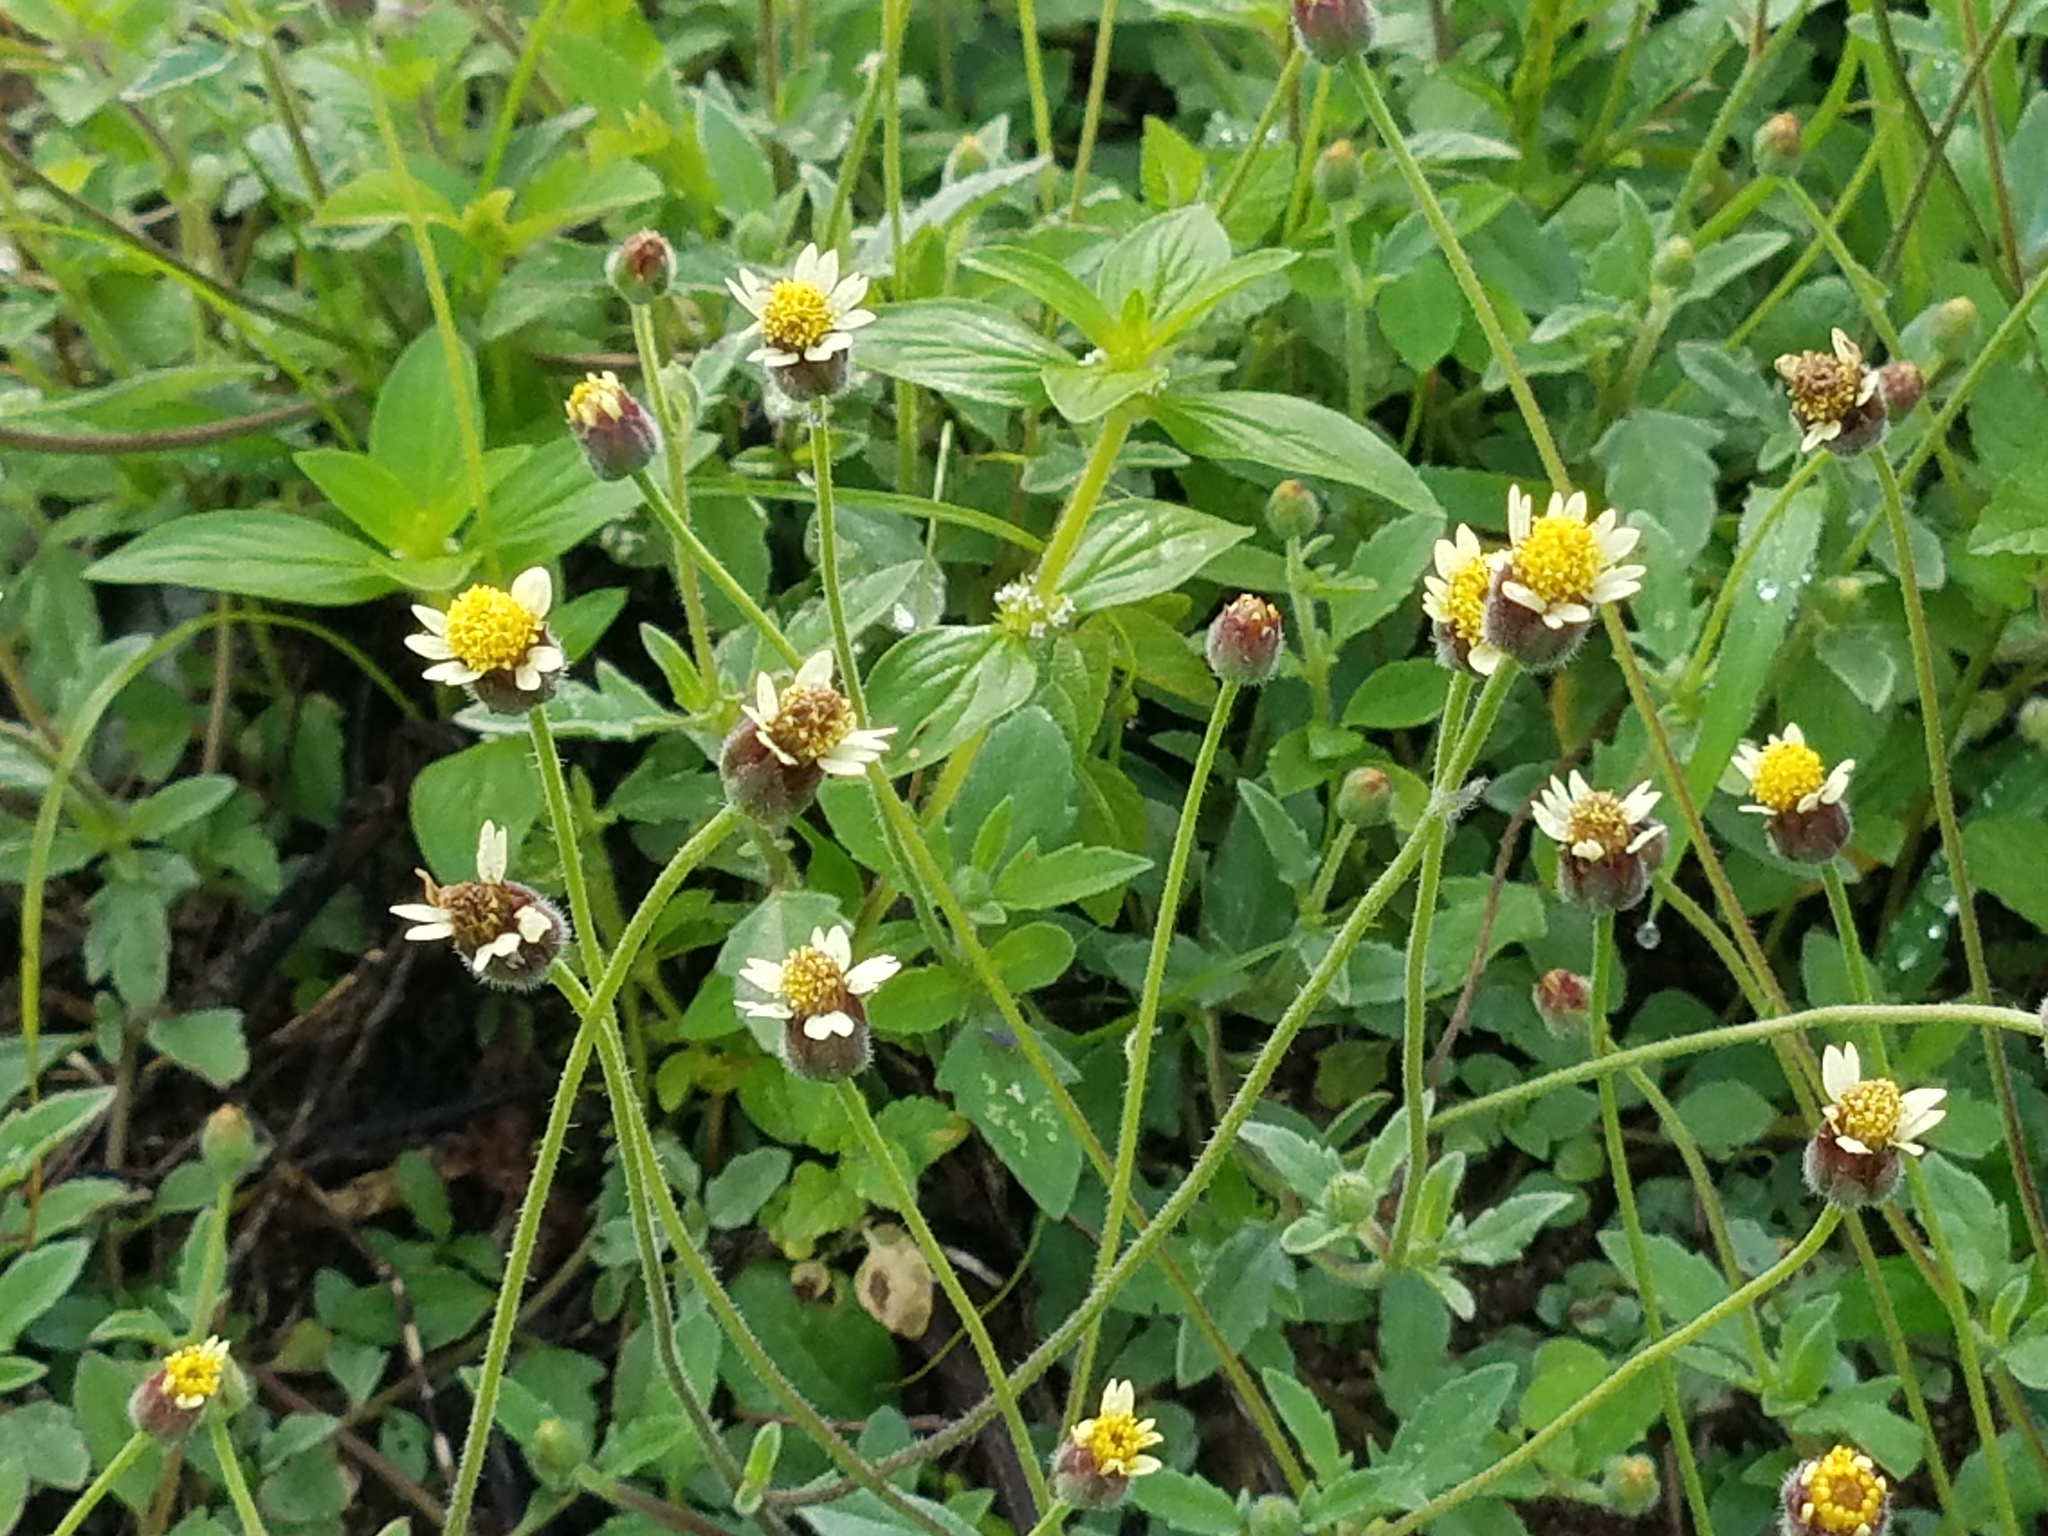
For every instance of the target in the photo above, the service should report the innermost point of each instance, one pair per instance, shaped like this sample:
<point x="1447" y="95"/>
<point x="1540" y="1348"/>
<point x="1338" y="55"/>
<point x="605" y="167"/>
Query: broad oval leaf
<point x="254" y="554"/>
<point x="969" y="351"/>
<point x="1137" y="549"/>
<point x="1297" y="436"/>
<point x="940" y="686"/>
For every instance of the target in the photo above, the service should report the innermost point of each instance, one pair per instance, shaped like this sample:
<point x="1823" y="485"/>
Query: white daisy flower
<point x="816" y="984"/>
<point x="1559" y="567"/>
<point x="1785" y="774"/>
<point x="807" y="317"/>
<point x="489" y="631"/>
<point x="1455" y="600"/>
<point x="1870" y="1115"/>
<point x="810" y="721"/>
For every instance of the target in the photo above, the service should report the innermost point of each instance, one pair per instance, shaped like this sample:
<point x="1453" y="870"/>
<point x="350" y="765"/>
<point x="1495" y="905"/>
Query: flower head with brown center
<point x="1871" y="1115"/>
<point x="489" y="630"/>
<point x="1593" y="824"/>
<point x="1559" y="566"/>
<point x="1785" y="774"/>
<point x="1831" y="394"/>
<point x="192" y="1375"/>
<point x="810" y="721"/>
<point x="1839" y="1494"/>
<point x="1116" y="1438"/>
<point x="508" y="932"/>
<point x="817" y="984"/>
<point x="807" y="317"/>
<point x="1455" y="599"/>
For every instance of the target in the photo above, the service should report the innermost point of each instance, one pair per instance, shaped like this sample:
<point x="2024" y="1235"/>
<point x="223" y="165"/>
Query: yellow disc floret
<point x="809" y="722"/>
<point x="1115" y="1441"/>
<point x="192" y="1375"/>
<point x="812" y="982"/>
<point x="1599" y="818"/>
<point x="598" y="399"/>
<point x="1786" y="773"/>
<point x="1464" y="600"/>
<point x="1844" y="1494"/>
<point x="795" y="316"/>
<point x="1560" y="560"/>
<point x="490" y="630"/>
<point x="1870" y="1111"/>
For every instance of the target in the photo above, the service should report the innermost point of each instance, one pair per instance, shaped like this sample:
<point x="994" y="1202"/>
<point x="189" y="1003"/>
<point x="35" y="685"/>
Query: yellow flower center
<point x="600" y="398"/>
<point x="812" y="982"/>
<point x="809" y="722"/>
<point x="192" y="1374"/>
<point x="1822" y="387"/>
<point x="1786" y="773"/>
<point x="1560" y="560"/>
<point x="1870" y="1111"/>
<point x="1599" y="818"/>
<point x="1844" y="1493"/>
<point x="1115" y="1441"/>
<point x="489" y="630"/>
<point x="795" y="316"/>
<point x="1465" y="600"/>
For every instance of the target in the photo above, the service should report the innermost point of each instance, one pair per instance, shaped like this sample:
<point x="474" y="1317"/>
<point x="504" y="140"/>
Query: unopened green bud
<point x="1777" y="145"/>
<point x="1630" y="1483"/>
<point x="2034" y="723"/>
<point x="967" y="157"/>
<point x="1675" y="263"/>
<point x="1350" y="1198"/>
<point x="1366" y="797"/>
<point x="1293" y="510"/>
<point x="227" y="1143"/>
<point x="1274" y="1515"/>
<point x="560" y="1446"/>
<point x="1955" y="326"/>
<point x="1336" y="175"/>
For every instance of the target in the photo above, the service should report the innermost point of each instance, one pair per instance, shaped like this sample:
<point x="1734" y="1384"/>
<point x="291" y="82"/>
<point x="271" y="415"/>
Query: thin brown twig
<point x="170" y="439"/>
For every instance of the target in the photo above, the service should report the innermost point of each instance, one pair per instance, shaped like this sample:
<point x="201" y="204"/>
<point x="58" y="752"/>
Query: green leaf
<point x="1084" y="392"/>
<point x="1170" y="169"/>
<point x="1308" y="1421"/>
<point x="415" y="431"/>
<point x="253" y="554"/>
<point x="838" y="1356"/>
<point x="1047" y="281"/>
<point x="1033" y="955"/>
<point x="1386" y="570"/>
<point x="1979" y="1231"/>
<point x="1032" y="882"/>
<point x="1162" y="262"/>
<point x="1200" y="300"/>
<point x="2007" y="855"/>
<point x="1137" y="549"/>
<point x="1662" y="464"/>
<point x="918" y="1001"/>
<point x="740" y="171"/>
<point x="1727" y="1115"/>
<point x="1188" y="1505"/>
<point x="1399" y="695"/>
<point x="1024" y="763"/>
<point x="739" y="1190"/>
<point x="941" y="686"/>
<point x="379" y="197"/>
<point x="1421" y="313"/>
<point x="373" y="496"/>
<point x="1293" y="858"/>
<point x="1503" y="1232"/>
<point x="1307" y="1166"/>
<point x="1806" y="1353"/>
<point x="1444" y="1440"/>
<point x="964" y="351"/>
<point x="453" y="797"/>
<point x="157" y="816"/>
<point x="179" y="67"/>
<point x="35" y="1132"/>
<point x="36" y="1282"/>
<point x="208" y="1042"/>
<point x="2015" y="520"/>
<point x="1293" y="435"/>
<point x="994" y="1087"/>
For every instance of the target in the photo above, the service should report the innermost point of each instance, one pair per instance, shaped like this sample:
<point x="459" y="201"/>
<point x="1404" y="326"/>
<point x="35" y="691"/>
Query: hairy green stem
<point x="1845" y="930"/>
<point x="99" y="1487"/>
<point x="674" y="421"/>
<point x="1041" y="107"/>
<point x="231" y="1476"/>
<point x="1091" y="116"/>
<point x="904" y="1194"/>
<point x="1598" y="989"/>
<point x="1073" y="519"/>
<point x="1708" y="155"/>
<point x="828" y="562"/>
<point x="1645" y="1359"/>
<point x="712" y="566"/>
<point x="1268" y="115"/>
<point x="515" y="94"/>
<point x="1138" y="1045"/>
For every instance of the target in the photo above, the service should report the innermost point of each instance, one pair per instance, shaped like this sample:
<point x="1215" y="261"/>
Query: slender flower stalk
<point x="100" y="1486"/>
<point x="1138" y="1051"/>
<point x="674" y="420"/>
<point x="231" y="1475"/>
<point x="828" y="557"/>
<point x="1073" y="519"/>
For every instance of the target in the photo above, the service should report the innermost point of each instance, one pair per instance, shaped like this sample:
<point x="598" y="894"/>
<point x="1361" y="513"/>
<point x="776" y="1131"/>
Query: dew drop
<point x="1767" y="591"/>
<point x="1648" y="936"/>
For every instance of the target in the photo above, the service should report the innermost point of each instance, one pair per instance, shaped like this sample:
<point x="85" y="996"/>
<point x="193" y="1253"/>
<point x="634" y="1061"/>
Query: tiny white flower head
<point x="815" y="991"/>
<point x="1611" y="845"/>
<point x="494" y="641"/>
<point x="807" y="317"/>
<point x="509" y="933"/>
<point x="1454" y="598"/>
<point x="810" y="721"/>
<point x="1871" y="1115"/>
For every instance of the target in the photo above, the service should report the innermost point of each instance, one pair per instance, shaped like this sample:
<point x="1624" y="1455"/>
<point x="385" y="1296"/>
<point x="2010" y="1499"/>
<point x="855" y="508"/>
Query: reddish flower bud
<point x="617" y="436"/>
<point x="1335" y="30"/>
<point x="641" y="267"/>
<point x="1244" y="641"/>
<point x="1900" y="386"/>
<point x="1563" y="998"/>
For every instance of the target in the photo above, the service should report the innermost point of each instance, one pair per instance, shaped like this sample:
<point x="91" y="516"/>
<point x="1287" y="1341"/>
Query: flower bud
<point x="560" y="1447"/>
<point x="1955" y="327"/>
<point x="1563" y="999"/>
<point x="1366" y="797"/>
<point x="1351" y="1198"/>
<point x="641" y="267"/>
<point x="1335" y="30"/>
<point x="2034" y="722"/>
<point x="1244" y="641"/>
<point x="1293" y="510"/>
<point x="1336" y="175"/>
<point x="227" y="1143"/>
<point x="1776" y="145"/>
<point x="1839" y="1494"/>
<point x="1675" y="264"/>
<point x="1900" y="384"/>
<point x="1630" y="1483"/>
<point x="1274" y="1514"/>
<point x="1077" y="1480"/>
<point x="968" y="157"/>
<point x="617" y="436"/>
